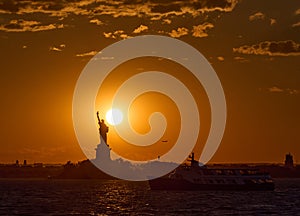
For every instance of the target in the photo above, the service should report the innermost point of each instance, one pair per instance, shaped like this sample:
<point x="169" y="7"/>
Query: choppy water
<point x="88" y="197"/>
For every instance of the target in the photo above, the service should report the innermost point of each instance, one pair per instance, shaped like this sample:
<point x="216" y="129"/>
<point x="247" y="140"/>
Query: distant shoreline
<point x="86" y="170"/>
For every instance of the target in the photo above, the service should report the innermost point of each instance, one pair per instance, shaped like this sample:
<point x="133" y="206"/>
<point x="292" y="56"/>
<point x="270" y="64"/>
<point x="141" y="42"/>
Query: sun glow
<point x="114" y="116"/>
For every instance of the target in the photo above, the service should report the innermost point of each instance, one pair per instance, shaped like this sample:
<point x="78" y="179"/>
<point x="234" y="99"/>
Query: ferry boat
<point x="195" y="177"/>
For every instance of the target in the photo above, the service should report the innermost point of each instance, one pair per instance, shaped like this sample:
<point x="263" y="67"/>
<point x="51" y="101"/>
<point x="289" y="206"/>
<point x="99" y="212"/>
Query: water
<point x="89" y="197"/>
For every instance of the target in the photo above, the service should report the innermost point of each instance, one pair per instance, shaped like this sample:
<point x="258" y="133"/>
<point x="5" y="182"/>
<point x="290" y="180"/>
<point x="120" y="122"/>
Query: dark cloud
<point x="11" y="6"/>
<point x="21" y="25"/>
<point x="115" y="8"/>
<point x="271" y="48"/>
<point x="53" y="6"/>
<point x="12" y="26"/>
<point x="164" y="8"/>
<point x="163" y="11"/>
<point x="220" y="5"/>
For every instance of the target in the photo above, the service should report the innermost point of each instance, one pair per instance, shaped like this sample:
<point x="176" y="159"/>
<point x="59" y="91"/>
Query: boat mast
<point x="192" y="160"/>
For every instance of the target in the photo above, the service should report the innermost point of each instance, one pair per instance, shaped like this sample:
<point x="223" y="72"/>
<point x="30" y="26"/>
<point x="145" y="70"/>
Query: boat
<point x="194" y="177"/>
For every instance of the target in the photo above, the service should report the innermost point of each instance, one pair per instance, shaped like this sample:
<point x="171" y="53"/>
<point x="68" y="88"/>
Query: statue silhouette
<point x="103" y="129"/>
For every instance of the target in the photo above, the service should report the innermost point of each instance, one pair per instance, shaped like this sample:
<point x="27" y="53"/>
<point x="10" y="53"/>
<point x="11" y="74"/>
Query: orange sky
<point x="253" y="46"/>
<point x="152" y="102"/>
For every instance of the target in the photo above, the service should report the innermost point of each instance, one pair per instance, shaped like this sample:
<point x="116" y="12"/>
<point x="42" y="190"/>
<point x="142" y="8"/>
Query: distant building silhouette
<point x="17" y="162"/>
<point x="38" y="165"/>
<point x="25" y="163"/>
<point x="289" y="162"/>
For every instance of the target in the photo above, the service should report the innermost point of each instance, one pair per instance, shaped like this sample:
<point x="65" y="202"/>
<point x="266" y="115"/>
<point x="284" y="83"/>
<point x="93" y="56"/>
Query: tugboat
<point x="195" y="177"/>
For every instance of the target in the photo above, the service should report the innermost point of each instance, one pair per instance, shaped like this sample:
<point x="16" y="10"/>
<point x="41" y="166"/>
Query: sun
<point x="114" y="116"/>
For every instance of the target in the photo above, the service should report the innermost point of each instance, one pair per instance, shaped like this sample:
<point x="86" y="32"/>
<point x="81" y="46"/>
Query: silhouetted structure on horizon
<point x="103" y="129"/>
<point x="194" y="163"/>
<point x="86" y="169"/>
<point x="289" y="162"/>
<point x="102" y="150"/>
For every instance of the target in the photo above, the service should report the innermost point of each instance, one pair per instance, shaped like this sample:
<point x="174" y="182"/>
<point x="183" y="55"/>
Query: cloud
<point x="179" y="32"/>
<point x="272" y="21"/>
<point x="57" y="8"/>
<point x="293" y="91"/>
<point x="91" y="53"/>
<point x="116" y="34"/>
<point x="220" y="5"/>
<point x="257" y="16"/>
<point x="221" y="58"/>
<point x="297" y="12"/>
<point x="55" y="49"/>
<point x="261" y="16"/>
<point x="197" y="31"/>
<point x="289" y="91"/>
<point x="140" y="29"/>
<point x="28" y="25"/>
<point x="96" y="21"/>
<point x="119" y="8"/>
<point x="163" y="9"/>
<point x="241" y="59"/>
<point x="10" y="6"/>
<point x="166" y="21"/>
<point x="200" y="30"/>
<point x="275" y="89"/>
<point x="58" y="48"/>
<point x="296" y="24"/>
<point x="271" y="48"/>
